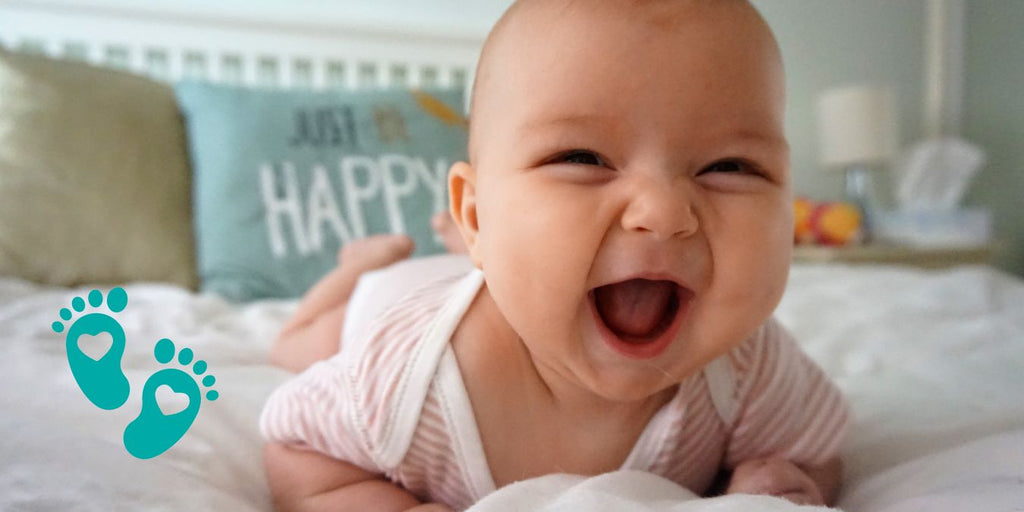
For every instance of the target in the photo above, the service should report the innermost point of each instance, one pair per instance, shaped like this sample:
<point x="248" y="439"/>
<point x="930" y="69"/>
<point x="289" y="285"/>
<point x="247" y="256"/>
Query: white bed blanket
<point x="986" y="474"/>
<point x="933" y="363"/>
<point x="633" y="491"/>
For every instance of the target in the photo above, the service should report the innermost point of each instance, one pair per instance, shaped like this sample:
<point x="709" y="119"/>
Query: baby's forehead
<point x="525" y="15"/>
<point x="544" y="28"/>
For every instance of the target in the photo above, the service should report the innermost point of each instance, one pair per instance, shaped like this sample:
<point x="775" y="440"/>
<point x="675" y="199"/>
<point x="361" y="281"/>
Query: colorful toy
<point x="826" y="223"/>
<point x="802" y="209"/>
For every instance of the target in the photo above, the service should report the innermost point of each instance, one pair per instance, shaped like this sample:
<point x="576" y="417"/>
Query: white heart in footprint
<point x="95" y="347"/>
<point x="169" y="400"/>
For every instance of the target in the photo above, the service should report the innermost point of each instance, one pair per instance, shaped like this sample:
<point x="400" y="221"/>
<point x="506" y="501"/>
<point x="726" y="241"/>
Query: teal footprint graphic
<point x="155" y="430"/>
<point x="102" y="379"/>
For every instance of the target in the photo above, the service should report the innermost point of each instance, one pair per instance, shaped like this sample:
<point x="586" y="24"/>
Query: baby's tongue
<point x="635" y="307"/>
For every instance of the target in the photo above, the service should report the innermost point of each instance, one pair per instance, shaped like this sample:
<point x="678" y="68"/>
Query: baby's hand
<point x="775" y="477"/>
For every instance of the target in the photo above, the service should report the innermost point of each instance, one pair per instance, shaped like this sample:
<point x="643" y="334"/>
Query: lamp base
<point x="860" y="190"/>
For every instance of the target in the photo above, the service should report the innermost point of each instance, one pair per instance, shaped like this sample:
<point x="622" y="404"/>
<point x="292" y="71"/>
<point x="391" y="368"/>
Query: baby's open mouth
<point x="639" y="310"/>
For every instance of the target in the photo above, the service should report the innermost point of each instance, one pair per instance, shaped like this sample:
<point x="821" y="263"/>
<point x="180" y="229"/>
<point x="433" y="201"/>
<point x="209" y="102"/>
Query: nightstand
<point x="894" y="254"/>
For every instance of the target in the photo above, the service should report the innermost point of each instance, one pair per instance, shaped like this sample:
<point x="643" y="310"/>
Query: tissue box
<point x="963" y="227"/>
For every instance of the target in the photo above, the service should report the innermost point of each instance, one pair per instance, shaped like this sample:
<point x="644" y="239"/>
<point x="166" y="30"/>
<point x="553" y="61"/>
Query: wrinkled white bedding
<point x="632" y="491"/>
<point x="933" y="363"/>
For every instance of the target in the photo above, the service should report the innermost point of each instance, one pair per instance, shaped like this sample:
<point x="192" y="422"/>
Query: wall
<point x="994" y="118"/>
<point x="840" y="42"/>
<point x="461" y="18"/>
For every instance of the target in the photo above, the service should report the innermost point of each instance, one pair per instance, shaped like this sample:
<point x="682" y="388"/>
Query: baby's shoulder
<point x="765" y="346"/>
<point x="379" y="383"/>
<point x="772" y="362"/>
<point x="402" y="331"/>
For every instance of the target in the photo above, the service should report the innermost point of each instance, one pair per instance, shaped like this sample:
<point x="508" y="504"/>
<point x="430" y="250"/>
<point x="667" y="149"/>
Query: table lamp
<point x="858" y="132"/>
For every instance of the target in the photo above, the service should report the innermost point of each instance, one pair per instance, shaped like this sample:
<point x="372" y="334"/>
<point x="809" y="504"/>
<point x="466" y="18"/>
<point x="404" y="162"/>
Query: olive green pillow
<point x="94" y="176"/>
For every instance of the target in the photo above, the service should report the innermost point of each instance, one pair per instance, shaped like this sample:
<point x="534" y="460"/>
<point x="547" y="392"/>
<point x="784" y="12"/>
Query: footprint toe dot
<point x="117" y="299"/>
<point x="212" y="395"/>
<point x="95" y="298"/>
<point x="199" y="367"/>
<point x="185" y="356"/>
<point x="209" y="380"/>
<point x="65" y="313"/>
<point x="57" y="327"/>
<point x="164" y="350"/>
<point x="78" y="304"/>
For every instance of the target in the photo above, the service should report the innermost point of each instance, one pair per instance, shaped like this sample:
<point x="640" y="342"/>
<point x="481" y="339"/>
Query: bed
<point x="931" y="360"/>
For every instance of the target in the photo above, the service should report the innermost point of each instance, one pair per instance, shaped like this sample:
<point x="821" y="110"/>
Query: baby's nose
<point x="662" y="208"/>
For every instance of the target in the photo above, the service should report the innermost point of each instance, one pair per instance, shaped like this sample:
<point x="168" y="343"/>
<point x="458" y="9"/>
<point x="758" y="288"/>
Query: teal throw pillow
<point x="283" y="179"/>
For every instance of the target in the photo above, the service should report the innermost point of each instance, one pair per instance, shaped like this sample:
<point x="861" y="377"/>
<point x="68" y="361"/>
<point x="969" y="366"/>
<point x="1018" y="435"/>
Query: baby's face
<point x="629" y="197"/>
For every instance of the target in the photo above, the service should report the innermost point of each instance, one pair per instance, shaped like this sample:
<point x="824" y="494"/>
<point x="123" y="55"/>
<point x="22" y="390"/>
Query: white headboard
<point x="170" y="46"/>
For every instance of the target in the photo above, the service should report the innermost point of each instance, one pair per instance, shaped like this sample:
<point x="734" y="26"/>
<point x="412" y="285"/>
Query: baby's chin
<point x="627" y="389"/>
<point x="618" y="379"/>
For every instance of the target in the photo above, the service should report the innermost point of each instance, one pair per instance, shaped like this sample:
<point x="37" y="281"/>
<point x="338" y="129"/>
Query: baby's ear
<point x="462" y="203"/>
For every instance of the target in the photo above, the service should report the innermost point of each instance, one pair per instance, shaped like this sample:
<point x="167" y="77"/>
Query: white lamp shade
<point x="856" y="125"/>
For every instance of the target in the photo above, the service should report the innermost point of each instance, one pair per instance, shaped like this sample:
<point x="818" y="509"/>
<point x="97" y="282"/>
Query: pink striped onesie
<point x="393" y="402"/>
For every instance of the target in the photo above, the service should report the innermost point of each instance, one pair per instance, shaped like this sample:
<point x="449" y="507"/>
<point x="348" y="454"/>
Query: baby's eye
<point x="730" y="167"/>
<point x="580" y="157"/>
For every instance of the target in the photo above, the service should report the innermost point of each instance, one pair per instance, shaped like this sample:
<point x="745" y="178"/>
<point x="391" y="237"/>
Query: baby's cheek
<point x="749" y="272"/>
<point x="747" y="279"/>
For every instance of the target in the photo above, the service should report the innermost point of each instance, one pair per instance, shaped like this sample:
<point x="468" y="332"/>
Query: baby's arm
<point x="789" y="435"/>
<point x="802" y="485"/>
<point x="302" y="480"/>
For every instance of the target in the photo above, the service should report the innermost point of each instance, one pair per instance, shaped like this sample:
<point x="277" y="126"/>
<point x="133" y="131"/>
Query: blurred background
<point x="952" y="68"/>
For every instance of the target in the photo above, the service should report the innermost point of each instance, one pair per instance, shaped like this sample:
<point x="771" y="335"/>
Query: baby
<point x="626" y="209"/>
